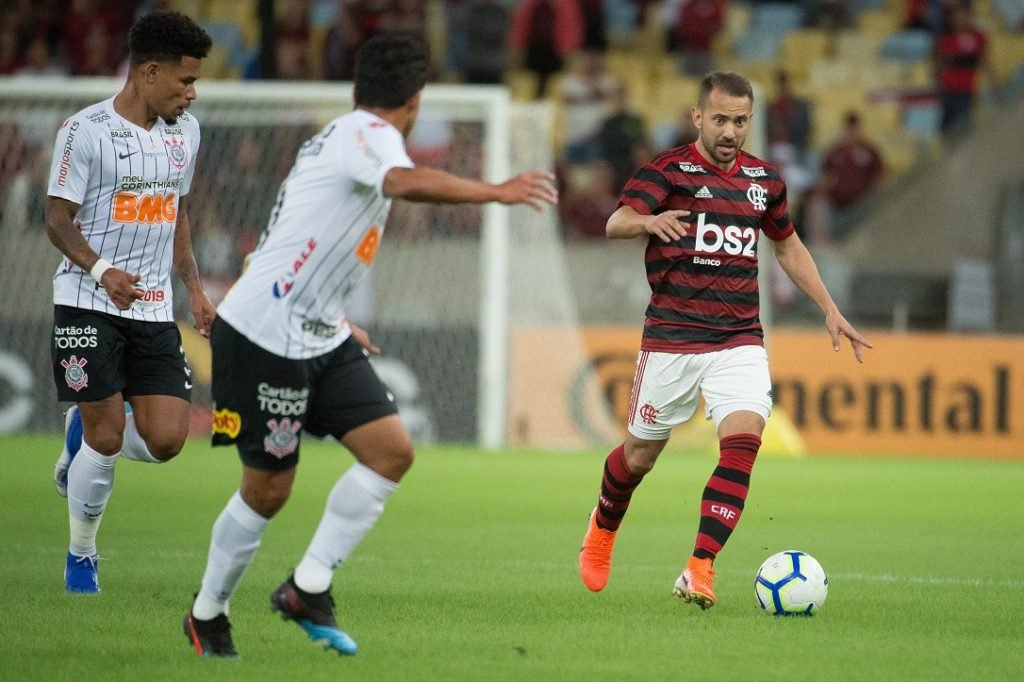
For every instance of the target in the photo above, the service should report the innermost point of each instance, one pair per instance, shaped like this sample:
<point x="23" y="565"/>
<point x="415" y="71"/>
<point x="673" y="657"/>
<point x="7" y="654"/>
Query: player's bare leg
<point x="156" y="428"/>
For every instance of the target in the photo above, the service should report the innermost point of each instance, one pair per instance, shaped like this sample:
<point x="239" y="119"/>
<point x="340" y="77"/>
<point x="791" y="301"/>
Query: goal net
<point x="451" y="299"/>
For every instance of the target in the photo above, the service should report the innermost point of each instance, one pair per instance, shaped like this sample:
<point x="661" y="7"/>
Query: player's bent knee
<point x="166" y="449"/>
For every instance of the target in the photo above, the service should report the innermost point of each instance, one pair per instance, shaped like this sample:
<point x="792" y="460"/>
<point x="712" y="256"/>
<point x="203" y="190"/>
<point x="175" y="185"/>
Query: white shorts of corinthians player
<point x="668" y="386"/>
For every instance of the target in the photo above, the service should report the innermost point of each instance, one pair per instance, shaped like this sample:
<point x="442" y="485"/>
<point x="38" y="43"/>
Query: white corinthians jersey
<point x="128" y="181"/>
<point x="322" y="237"/>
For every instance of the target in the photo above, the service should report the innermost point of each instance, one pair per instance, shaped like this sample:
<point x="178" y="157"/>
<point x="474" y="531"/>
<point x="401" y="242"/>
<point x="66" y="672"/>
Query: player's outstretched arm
<point x="203" y="310"/>
<point x="65" y="235"/>
<point x="626" y="223"/>
<point x="798" y="264"/>
<point x="533" y="188"/>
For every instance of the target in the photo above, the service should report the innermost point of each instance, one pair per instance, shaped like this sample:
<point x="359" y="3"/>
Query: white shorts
<point x="668" y="386"/>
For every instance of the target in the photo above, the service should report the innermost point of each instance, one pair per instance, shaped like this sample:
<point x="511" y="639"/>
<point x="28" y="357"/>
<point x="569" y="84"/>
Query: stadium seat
<point x="755" y="45"/>
<point x="775" y="17"/>
<point x="803" y="47"/>
<point x="1012" y="12"/>
<point x="908" y="46"/>
<point x="879" y="21"/>
<point x="858" y="45"/>
<point x="922" y="119"/>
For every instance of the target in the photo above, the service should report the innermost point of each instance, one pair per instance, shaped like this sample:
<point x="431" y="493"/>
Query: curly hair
<point x="390" y="68"/>
<point x="166" y="36"/>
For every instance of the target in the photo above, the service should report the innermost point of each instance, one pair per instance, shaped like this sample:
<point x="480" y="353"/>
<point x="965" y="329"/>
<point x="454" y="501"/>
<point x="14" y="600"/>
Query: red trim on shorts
<point x="637" y="379"/>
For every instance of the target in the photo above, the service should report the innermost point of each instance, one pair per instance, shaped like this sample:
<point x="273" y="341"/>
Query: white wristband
<point x="98" y="269"/>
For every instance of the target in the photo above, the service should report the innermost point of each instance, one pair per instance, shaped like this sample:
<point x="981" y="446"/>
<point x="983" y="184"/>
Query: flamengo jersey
<point x="704" y="294"/>
<point x="322" y="237"/>
<point x="128" y="182"/>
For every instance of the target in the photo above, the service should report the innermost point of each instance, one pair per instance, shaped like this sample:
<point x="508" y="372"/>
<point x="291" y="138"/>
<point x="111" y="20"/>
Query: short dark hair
<point x="166" y="36"/>
<point x="727" y="81"/>
<point x="390" y="68"/>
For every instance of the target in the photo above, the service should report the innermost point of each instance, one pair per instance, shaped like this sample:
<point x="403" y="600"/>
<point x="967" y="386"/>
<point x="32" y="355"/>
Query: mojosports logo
<point x="144" y="208"/>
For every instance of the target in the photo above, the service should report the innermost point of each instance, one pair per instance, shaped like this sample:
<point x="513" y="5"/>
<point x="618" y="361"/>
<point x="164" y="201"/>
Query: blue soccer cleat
<point x="314" y="613"/>
<point x="72" y="444"/>
<point x="80" y="574"/>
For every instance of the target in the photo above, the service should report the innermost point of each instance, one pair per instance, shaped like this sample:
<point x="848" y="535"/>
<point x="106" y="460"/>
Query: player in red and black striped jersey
<point x="703" y="208"/>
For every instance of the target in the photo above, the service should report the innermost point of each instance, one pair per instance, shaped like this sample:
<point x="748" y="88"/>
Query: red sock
<point x="725" y="493"/>
<point x="617" y="488"/>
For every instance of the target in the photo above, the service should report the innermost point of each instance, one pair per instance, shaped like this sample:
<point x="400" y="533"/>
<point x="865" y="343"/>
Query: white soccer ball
<point x="791" y="583"/>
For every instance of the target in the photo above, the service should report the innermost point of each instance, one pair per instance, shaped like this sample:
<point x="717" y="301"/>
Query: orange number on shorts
<point x="367" y="249"/>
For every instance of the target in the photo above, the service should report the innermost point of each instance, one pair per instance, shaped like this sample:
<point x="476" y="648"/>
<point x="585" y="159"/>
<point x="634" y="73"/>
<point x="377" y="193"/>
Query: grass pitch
<point x="471" y="572"/>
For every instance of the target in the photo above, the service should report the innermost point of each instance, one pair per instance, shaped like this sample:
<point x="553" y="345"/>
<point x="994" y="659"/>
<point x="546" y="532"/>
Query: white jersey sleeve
<point x="74" y="153"/>
<point x="322" y="237"/>
<point x="127" y="182"/>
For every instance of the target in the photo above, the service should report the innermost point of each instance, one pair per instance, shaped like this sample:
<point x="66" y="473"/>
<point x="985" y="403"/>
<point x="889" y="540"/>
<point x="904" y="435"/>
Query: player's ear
<point x="695" y="117"/>
<point x="150" y="70"/>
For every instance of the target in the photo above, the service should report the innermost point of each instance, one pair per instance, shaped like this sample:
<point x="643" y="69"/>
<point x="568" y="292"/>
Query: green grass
<point x="471" y="573"/>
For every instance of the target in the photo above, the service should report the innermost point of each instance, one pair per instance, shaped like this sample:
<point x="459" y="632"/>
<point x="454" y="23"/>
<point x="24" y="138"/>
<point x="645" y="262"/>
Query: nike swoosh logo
<point x="188" y="384"/>
<point x="125" y="156"/>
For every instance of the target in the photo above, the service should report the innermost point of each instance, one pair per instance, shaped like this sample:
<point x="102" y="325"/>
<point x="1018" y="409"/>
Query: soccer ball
<point x="791" y="583"/>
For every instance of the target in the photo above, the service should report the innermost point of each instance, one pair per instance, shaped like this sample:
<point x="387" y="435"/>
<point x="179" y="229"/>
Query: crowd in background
<point x="562" y="44"/>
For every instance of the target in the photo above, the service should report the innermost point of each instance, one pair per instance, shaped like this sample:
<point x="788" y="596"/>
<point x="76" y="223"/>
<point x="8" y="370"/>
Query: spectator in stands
<point x="94" y="35"/>
<point x="589" y="198"/>
<point x="789" y="116"/>
<point x="827" y="14"/>
<point x="9" y="58"/>
<point x="595" y="32"/>
<point x="588" y="94"/>
<point x="292" y="42"/>
<point x="543" y="35"/>
<point x="38" y="62"/>
<point x="623" y="141"/>
<point x="960" y="53"/>
<point x="851" y="170"/>
<point x="340" y="45"/>
<point x="693" y="32"/>
<point x="485" y="38"/>
<point x="22" y="198"/>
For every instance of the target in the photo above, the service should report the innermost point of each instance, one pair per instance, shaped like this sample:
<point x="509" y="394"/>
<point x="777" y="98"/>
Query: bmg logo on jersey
<point x="75" y="337"/>
<point x="732" y="239"/>
<point x="147" y="209"/>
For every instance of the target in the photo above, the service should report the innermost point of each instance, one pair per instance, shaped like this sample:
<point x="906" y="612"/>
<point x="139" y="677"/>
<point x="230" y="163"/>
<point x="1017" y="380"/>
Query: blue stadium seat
<point x="908" y="46"/>
<point x="1012" y="12"/>
<point x="754" y="45"/>
<point x="922" y="119"/>
<point x="776" y="17"/>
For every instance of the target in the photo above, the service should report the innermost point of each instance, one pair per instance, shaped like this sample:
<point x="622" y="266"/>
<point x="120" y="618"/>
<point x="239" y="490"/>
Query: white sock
<point x="236" y="537"/>
<point x="353" y="507"/>
<point x="90" y="480"/>
<point x="134" y="447"/>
